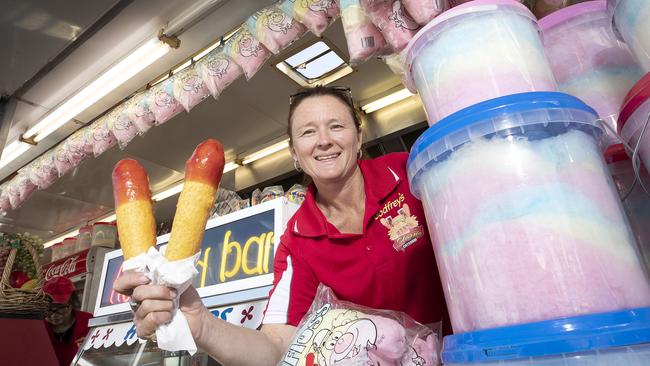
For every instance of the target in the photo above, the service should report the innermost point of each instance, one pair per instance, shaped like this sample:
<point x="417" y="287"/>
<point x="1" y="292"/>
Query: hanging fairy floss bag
<point x="316" y="15"/>
<point x="335" y="332"/>
<point x="137" y="108"/>
<point x="247" y="52"/>
<point x="363" y="37"/>
<point x="189" y="88"/>
<point x="274" y="29"/>
<point x="162" y="102"/>
<point x="218" y="71"/>
<point x="392" y="19"/>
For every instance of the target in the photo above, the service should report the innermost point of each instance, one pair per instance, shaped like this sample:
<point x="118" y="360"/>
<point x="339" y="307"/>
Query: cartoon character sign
<point x="401" y="18"/>
<point x="333" y="336"/>
<point x="218" y="66"/>
<point x="403" y="228"/>
<point x="276" y="21"/>
<point x="248" y="45"/>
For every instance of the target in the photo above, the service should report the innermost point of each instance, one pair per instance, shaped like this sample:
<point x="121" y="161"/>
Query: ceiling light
<point x="177" y="187"/>
<point x="108" y="218"/>
<point x="387" y="100"/>
<point x="138" y="60"/>
<point x="59" y="239"/>
<point x="266" y="151"/>
<point x="12" y="151"/>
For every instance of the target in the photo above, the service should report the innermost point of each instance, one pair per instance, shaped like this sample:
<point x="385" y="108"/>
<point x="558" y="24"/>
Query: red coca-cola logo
<point x="67" y="267"/>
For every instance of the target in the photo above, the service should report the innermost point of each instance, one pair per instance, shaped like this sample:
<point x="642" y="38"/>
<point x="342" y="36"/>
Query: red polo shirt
<point x="390" y="265"/>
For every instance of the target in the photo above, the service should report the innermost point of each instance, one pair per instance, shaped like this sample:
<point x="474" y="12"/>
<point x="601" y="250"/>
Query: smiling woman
<point x="359" y="231"/>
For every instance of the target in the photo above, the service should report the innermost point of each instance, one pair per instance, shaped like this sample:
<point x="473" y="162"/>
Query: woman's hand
<point x="156" y="305"/>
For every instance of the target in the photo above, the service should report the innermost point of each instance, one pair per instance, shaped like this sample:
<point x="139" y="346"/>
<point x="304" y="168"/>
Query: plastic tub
<point x="634" y="117"/>
<point x="84" y="238"/>
<point x="610" y="339"/>
<point x="57" y="251"/>
<point x="104" y="234"/>
<point x="630" y="19"/>
<point x="69" y="247"/>
<point x="588" y="60"/>
<point x="635" y="201"/>
<point x="476" y="51"/>
<point x="526" y="223"/>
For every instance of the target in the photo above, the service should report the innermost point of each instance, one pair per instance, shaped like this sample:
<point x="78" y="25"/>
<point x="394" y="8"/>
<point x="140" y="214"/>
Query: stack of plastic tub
<point x="611" y="339"/>
<point x="630" y="20"/>
<point x="635" y="201"/>
<point x="634" y="119"/>
<point x="476" y="51"/>
<point x="525" y="220"/>
<point x="588" y="61"/>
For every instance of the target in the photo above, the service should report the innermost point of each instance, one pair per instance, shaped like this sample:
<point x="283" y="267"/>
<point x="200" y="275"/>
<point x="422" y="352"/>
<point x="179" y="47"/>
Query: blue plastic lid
<point x="549" y="338"/>
<point x="534" y="115"/>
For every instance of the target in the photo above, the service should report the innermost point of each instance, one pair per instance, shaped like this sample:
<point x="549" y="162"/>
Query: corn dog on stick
<point x="136" y="224"/>
<point x="203" y="172"/>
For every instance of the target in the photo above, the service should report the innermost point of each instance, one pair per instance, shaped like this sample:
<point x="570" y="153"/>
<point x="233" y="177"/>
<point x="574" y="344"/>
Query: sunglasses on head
<point x="343" y="91"/>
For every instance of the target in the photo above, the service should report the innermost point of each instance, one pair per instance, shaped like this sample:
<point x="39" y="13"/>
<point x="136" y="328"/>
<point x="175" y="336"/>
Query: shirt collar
<point x="380" y="180"/>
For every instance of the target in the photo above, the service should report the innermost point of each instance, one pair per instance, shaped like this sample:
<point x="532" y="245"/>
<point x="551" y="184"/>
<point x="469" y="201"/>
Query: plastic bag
<point x="395" y="63"/>
<point x="189" y="88"/>
<point x="42" y="171"/>
<point x="335" y="332"/>
<point x="19" y="189"/>
<point x="256" y="197"/>
<point x="218" y="71"/>
<point x="296" y="194"/>
<point x="71" y="152"/>
<point x="392" y="19"/>
<point x="162" y="102"/>
<point x="274" y="29"/>
<point x="247" y="52"/>
<point x="137" y="108"/>
<point x="121" y="126"/>
<point x="423" y="11"/>
<point x="5" y="205"/>
<point x="316" y="15"/>
<point x="363" y="38"/>
<point x="101" y="136"/>
<point x="81" y="144"/>
<point x="271" y="193"/>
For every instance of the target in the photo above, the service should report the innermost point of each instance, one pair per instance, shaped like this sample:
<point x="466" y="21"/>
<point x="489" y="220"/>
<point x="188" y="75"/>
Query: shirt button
<point x="368" y="248"/>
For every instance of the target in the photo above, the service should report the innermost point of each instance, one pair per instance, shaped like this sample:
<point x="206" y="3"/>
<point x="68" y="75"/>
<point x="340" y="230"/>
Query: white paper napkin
<point x="175" y="335"/>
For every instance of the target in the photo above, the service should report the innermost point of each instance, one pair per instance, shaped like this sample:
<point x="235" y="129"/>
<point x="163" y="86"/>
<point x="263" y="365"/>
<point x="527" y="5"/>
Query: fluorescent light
<point x="206" y="51"/>
<point x="60" y="238"/>
<point x="182" y="66"/>
<point x="175" y="188"/>
<point x="135" y="62"/>
<point x="12" y="151"/>
<point x="266" y="151"/>
<point x="386" y="100"/>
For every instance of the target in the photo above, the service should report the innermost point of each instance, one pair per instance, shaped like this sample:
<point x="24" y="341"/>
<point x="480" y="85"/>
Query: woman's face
<point x="325" y="139"/>
<point x="58" y="314"/>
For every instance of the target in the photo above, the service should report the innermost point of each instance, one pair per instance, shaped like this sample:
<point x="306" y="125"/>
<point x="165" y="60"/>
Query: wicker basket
<point x="22" y="301"/>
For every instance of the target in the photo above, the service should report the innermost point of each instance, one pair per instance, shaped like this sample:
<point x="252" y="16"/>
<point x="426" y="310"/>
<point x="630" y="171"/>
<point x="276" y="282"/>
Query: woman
<point x="67" y="327"/>
<point x="359" y="231"/>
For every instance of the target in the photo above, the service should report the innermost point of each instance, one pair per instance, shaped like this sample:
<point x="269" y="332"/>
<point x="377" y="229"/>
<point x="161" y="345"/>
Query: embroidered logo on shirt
<point x="403" y="229"/>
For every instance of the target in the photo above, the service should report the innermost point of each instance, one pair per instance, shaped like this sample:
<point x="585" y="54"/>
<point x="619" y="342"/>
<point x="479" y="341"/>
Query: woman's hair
<point x="342" y="94"/>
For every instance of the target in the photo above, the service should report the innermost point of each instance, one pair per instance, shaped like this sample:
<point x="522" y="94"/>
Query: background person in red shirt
<point x="359" y="231"/>
<point x="67" y="326"/>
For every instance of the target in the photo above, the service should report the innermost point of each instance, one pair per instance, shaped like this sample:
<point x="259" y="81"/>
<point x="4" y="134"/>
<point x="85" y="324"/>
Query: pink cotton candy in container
<point x="587" y="59"/>
<point x="630" y="20"/>
<point x="635" y="201"/>
<point x="247" y="52"/>
<point x="218" y="71"/>
<point x="423" y="11"/>
<point x="392" y="19"/>
<point x="101" y="136"/>
<point x="477" y="51"/>
<point x="274" y="29"/>
<point x="316" y="15"/>
<point x="526" y="223"/>
<point x="137" y="108"/>
<point x="364" y="39"/>
<point x="633" y="120"/>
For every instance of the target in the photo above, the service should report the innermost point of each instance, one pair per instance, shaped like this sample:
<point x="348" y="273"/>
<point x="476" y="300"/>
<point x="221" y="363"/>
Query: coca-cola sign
<point x="66" y="267"/>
